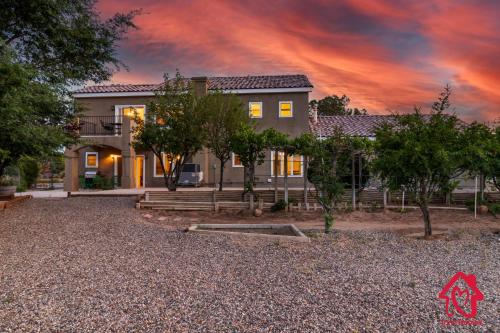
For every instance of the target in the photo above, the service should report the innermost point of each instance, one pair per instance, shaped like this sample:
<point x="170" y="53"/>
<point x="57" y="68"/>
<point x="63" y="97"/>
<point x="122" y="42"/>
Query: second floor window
<point x="255" y="109"/>
<point x="133" y="110"/>
<point x="286" y="109"/>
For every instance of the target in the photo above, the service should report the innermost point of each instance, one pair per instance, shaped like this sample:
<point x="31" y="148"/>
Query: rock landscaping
<point x="97" y="264"/>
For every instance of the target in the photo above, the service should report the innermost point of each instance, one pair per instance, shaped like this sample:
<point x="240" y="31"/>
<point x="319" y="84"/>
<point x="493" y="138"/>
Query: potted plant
<point x="7" y="186"/>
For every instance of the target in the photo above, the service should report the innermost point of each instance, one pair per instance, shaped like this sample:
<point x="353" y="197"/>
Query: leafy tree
<point x="174" y="125"/>
<point x="335" y="106"/>
<point x="46" y="46"/>
<point x="31" y="111"/>
<point x="250" y="147"/>
<point x="481" y="151"/>
<point x="326" y="170"/>
<point x="225" y="117"/>
<point x="421" y="153"/>
<point x="494" y="169"/>
<point x="65" y="40"/>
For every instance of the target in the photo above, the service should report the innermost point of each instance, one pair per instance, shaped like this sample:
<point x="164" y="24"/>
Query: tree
<point x="174" y="125"/>
<point x="64" y="40"/>
<point x="494" y="169"/>
<point x="250" y="146"/>
<point x="32" y="114"/>
<point x="421" y="153"/>
<point x="481" y="152"/>
<point x="225" y="117"/>
<point x="335" y="106"/>
<point x="45" y="47"/>
<point x="326" y="169"/>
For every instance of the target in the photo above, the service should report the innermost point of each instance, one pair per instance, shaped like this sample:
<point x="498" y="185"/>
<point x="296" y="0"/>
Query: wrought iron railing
<point x="97" y="125"/>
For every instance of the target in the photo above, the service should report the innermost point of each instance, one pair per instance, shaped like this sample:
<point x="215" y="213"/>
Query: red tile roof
<point x="214" y="83"/>
<point x="362" y="125"/>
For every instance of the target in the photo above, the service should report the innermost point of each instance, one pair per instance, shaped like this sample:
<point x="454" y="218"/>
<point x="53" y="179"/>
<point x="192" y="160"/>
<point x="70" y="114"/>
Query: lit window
<point x="286" y="109"/>
<point x="294" y="165"/>
<point x="255" y="109"/>
<point x="237" y="160"/>
<point x="91" y="160"/>
<point x="167" y="163"/>
<point x="133" y="111"/>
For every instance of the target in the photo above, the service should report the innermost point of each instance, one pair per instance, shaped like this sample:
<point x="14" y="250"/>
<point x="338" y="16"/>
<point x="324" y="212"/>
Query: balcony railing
<point x="97" y="126"/>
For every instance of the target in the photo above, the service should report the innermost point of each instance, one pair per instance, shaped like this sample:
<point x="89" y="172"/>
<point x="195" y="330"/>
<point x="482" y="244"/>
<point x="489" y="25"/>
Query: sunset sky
<point x="384" y="55"/>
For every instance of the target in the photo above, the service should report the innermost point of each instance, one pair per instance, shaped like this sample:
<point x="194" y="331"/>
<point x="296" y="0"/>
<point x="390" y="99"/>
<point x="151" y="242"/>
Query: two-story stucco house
<point x="279" y="101"/>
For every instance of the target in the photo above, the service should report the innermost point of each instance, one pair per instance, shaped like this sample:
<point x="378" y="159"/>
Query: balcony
<point x="96" y="126"/>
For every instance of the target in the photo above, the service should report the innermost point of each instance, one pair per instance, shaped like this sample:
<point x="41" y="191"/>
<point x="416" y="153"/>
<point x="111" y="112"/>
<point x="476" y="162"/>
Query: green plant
<point x="7" y="181"/>
<point x="494" y="208"/>
<point x="30" y="170"/>
<point x="174" y="125"/>
<point x="280" y="205"/>
<point x="328" y="222"/>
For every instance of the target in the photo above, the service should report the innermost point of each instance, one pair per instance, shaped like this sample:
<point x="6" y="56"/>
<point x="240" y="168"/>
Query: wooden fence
<point x="264" y="199"/>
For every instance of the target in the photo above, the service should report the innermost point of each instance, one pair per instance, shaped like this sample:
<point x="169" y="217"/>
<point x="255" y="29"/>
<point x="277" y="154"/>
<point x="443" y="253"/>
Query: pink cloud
<point x="384" y="56"/>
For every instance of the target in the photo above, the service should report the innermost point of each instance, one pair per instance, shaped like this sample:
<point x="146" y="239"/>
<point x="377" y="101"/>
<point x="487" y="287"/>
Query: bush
<point x="29" y="169"/>
<point x="280" y="205"/>
<point x="494" y="208"/>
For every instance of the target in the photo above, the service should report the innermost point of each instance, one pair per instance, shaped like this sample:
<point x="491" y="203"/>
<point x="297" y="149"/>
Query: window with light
<point x="286" y="109"/>
<point x="294" y="164"/>
<point x="255" y="109"/>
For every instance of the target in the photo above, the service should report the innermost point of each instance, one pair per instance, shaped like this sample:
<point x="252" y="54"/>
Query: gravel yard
<point x="96" y="264"/>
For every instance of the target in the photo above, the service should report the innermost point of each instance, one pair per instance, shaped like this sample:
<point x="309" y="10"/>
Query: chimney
<point x="200" y="85"/>
<point x="314" y="109"/>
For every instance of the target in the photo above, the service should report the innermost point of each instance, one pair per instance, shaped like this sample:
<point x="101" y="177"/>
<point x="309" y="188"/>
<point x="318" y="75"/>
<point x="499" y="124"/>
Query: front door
<point x="139" y="171"/>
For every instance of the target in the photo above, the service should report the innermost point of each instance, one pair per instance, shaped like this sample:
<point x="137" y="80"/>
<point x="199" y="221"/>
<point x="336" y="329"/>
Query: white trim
<point x="234" y="91"/>
<point x="250" y="109"/>
<point x="232" y="162"/>
<point x="279" y="109"/>
<point x="282" y="163"/>
<point x="96" y="159"/>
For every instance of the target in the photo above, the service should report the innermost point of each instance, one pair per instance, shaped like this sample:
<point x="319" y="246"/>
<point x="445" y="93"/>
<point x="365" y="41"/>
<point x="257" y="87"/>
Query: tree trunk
<point x="285" y="175"/>
<point x="328" y="221"/>
<point x="304" y="174"/>
<point x="222" y="164"/>
<point x="353" y="179"/>
<point x="427" y="219"/>
<point x="275" y="176"/>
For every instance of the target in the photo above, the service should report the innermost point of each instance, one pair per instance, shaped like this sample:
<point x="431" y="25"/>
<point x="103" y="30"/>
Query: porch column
<point x="128" y="179"/>
<point x="71" y="179"/>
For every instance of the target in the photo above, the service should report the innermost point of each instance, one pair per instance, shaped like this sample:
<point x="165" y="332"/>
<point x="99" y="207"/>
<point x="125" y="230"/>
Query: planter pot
<point x="7" y="191"/>
<point x="483" y="209"/>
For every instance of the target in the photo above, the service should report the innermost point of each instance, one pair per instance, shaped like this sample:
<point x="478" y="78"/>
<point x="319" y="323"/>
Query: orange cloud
<point x="381" y="54"/>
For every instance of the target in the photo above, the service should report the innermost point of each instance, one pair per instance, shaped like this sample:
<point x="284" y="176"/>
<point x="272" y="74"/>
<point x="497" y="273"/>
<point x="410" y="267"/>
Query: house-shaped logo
<point x="461" y="294"/>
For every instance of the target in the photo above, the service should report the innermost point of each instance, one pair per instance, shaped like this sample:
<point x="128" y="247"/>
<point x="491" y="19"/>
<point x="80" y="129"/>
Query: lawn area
<point x="97" y="264"/>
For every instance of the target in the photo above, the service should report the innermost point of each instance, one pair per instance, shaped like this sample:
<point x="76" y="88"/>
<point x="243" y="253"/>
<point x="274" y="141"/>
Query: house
<point x="279" y="101"/>
<point x="461" y="294"/>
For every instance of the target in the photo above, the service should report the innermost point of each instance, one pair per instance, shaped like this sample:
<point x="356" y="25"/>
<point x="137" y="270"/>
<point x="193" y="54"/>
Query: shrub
<point x="7" y="181"/>
<point x="494" y="208"/>
<point x="280" y="205"/>
<point x="29" y="169"/>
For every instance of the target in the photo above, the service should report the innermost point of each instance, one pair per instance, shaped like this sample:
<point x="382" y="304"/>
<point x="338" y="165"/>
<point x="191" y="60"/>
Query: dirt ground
<point x="407" y="223"/>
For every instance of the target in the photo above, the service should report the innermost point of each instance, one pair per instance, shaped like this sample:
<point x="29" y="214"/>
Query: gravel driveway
<point x="95" y="264"/>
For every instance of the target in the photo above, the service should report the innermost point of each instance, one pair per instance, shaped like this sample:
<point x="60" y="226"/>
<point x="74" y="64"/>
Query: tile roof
<point x="214" y="83"/>
<point x="362" y="125"/>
